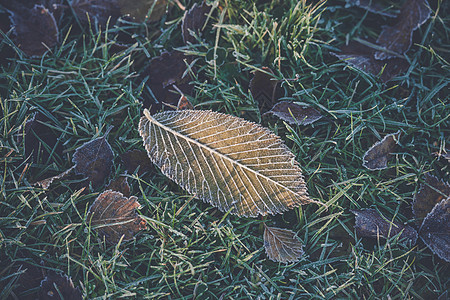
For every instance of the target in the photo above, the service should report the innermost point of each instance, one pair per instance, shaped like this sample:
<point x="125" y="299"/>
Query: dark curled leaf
<point x="362" y="57"/>
<point x="377" y="156"/>
<point x="435" y="230"/>
<point x="40" y="141"/>
<point x="282" y="245"/>
<point x="398" y="38"/>
<point x="294" y="113"/>
<point x="94" y="160"/>
<point x="430" y="193"/>
<point x="369" y="223"/>
<point x="96" y="11"/>
<point x="114" y="216"/>
<point x="120" y="185"/>
<point x="28" y="281"/>
<point x="263" y="87"/>
<point x="193" y="20"/>
<point x="134" y="159"/>
<point x="164" y="72"/>
<point x="56" y="286"/>
<point x="35" y="30"/>
<point x="374" y="6"/>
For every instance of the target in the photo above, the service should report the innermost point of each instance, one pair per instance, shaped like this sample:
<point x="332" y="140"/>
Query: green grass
<point x="191" y="250"/>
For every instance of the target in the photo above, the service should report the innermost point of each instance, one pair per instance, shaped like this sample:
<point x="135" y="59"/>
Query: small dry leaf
<point x="134" y="159"/>
<point x="369" y="223"/>
<point x="163" y="73"/>
<point x="435" y="230"/>
<point x="377" y="156"/>
<point x="282" y="245"/>
<point x="184" y="103"/>
<point x="263" y="87"/>
<point x="56" y="286"/>
<point x="94" y="160"/>
<point x="362" y="58"/>
<point x="28" y="281"/>
<point x="398" y="38"/>
<point x="45" y="184"/>
<point x="233" y="164"/>
<point x="374" y="6"/>
<point x="35" y="30"/>
<point x="295" y="114"/>
<point x="120" y="185"/>
<point x="114" y="216"/>
<point x="430" y="193"/>
<point x="40" y="141"/>
<point x="194" y="20"/>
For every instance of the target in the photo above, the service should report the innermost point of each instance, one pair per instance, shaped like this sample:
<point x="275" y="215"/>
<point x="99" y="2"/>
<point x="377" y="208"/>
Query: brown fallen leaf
<point x="114" y="216"/>
<point x="41" y="142"/>
<point x="56" y="286"/>
<point x="430" y="193"/>
<point x="435" y="229"/>
<point x="369" y="223"/>
<point x="28" y="281"/>
<point x="120" y="185"/>
<point x="34" y="29"/>
<point x="164" y="72"/>
<point x="362" y="58"/>
<point x="134" y="159"/>
<point x="45" y="184"/>
<point x="94" y="160"/>
<point x="294" y="113"/>
<point x="184" y="103"/>
<point x="374" y="6"/>
<point x="398" y="38"/>
<point x="377" y="156"/>
<point x="263" y="87"/>
<point x="233" y="164"/>
<point x="103" y="11"/>
<point x="194" y="20"/>
<point x="282" y="245"/>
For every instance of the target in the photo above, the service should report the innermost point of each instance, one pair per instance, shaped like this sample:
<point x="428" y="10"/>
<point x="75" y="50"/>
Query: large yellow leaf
<point x="224" y="160"/>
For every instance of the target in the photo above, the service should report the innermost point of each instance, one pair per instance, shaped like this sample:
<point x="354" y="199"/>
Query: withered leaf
<point x="184" y="103"/>
<point x="114" y="216"/>
<point x="104" y="10"/>
<point x="362" y="57"/>
<point x="94" y="160"/>
<point x="435" y="230"/>
<point x="56" y="286"/>
<point x="294" y="113"/>
<point x="45" y="184"/>
<point x="282" y="245"/>
<point x="41" y="142"/>
<point x="193" y="20"/>
<point x="398" y="38"/>
<point x="377" y="156"/>
<point x="163" y="73"/>
<point x="134" y="159"/>
<point x="233" y="164"/>
<point x="374" y="6"/>
<point x="263" y="87"/>
<point x="369" y="223"/>
<point x="433" y="191"/>
<point x="120" y="185"/>
<point x="35" y="29"/>
<point x="28" y="281"/>
<point x="99" y="11"/>
<point x="144" y="10"/>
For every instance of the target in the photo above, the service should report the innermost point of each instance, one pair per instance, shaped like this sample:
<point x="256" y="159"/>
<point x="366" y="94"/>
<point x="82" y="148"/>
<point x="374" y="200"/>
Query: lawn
<point x="100" y="76"/>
